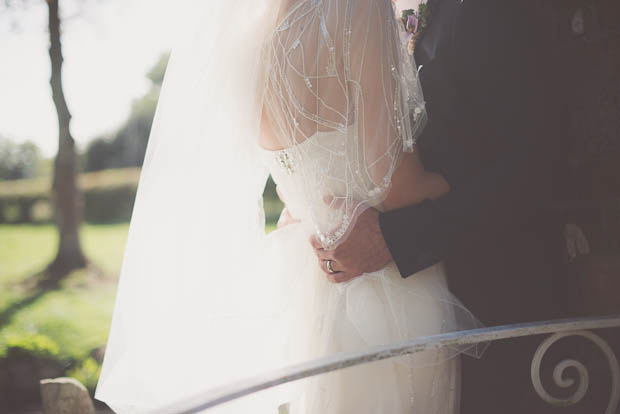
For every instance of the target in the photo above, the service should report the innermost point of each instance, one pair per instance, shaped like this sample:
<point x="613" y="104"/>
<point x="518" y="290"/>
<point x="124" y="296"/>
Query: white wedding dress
<point x="205" y="297"/>
<point x="376" y="308"/>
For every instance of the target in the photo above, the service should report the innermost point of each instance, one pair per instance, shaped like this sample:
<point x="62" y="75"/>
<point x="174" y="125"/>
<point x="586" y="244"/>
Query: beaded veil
<point x="188" y="301"/>
<point x="339" y="67"/>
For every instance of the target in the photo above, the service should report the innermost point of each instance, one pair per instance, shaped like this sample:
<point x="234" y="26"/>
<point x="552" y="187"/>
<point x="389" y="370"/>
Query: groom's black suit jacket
<point x="487" y="77"/>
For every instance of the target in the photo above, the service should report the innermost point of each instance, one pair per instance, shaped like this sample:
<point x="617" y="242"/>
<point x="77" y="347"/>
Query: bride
<point x="322" y="95"/>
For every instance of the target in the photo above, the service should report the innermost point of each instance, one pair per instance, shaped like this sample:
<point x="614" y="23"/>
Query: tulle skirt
<point x="288" y="312"/>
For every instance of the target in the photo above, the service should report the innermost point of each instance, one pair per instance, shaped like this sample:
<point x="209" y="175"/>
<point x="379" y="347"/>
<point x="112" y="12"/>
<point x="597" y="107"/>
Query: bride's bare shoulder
<point x="267" y="136"/>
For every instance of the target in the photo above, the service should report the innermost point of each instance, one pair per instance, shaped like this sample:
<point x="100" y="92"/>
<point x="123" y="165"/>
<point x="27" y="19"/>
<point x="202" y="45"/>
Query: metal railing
<point x="556" y="329"/>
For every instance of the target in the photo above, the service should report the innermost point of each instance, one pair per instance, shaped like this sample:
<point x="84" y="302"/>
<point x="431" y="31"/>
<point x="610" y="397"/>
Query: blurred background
<point x="79" y="83"/>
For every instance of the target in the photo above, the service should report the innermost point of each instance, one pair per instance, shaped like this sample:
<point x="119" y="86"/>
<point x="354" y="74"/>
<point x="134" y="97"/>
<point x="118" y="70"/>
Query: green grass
<point x="104" y="244"/>
<point x="76" y="320"/>
<point x="26" y="249"/>
<point x="75" y="317"/>
<point x="66" y="323"/>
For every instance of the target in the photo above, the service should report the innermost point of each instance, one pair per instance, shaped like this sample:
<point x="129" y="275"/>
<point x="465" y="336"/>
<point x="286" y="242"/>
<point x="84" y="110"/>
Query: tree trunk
<point x="65" y="194"/>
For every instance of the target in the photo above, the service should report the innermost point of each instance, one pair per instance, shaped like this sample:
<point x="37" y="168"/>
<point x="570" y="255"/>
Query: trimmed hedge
<point x="108" y="197"/>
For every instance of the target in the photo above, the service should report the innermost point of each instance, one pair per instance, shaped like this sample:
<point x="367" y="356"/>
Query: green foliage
<point x="68" y="324"/>
<point x="87" y="372"/>
<point x="271" y="203"/>
<point x="127" y="146"/>
<point x="109" y="195"/>
<point x="109" y="204"/>
<point x="406" y="13"/>
<point x="18" y="161"/>
<point x="156" y="74"/>
<point x="99" y="153"/>
<point x="64" y="325"/>
<point x="32" y="343"/>
<point x="423" y="15"/>
<point x="75" y="317"/>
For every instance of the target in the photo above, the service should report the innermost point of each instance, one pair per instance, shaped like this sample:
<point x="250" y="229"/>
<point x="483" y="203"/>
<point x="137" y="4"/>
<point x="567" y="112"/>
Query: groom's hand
<point x="362" y="252"/>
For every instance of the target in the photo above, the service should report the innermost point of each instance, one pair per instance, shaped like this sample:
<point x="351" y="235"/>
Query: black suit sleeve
<point x="488" y="135"/>
<point x="505" y="193"/>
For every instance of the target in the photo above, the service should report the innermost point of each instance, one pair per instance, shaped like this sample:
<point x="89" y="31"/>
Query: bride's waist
<point x="294" y="240"/>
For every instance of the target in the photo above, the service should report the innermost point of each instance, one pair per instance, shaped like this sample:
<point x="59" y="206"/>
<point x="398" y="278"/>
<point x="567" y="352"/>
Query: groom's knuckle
<point x="346" y="263"/>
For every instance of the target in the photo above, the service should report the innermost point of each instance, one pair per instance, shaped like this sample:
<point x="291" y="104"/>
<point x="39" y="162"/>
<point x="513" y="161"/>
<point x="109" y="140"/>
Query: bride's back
<point x="336" y="70"/>
<point x="306" y="84"/>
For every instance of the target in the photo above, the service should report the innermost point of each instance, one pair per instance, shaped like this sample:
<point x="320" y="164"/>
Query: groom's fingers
<point x="316" y="244"/>
<point x="323" y="266"/>
<point x="339" y="276"/>
<point x="320" y="252"/>
<point x="324" y="254"/>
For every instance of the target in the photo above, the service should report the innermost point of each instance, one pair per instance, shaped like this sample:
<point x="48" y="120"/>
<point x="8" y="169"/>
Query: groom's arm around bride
<point x="492" y="130"/>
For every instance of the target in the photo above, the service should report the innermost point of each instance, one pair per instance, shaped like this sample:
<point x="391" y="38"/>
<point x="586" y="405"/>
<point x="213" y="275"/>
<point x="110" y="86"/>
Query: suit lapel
<point x="438" y="32"/>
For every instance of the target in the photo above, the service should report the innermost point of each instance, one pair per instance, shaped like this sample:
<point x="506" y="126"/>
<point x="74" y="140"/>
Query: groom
<point x="492" y="131"/>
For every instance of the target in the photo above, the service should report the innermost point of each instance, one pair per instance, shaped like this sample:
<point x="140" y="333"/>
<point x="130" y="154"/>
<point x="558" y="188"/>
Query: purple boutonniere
<point x="415" y="22"/>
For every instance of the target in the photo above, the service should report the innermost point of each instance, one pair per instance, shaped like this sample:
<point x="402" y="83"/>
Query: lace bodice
<point x="328" y="158"/>
<point x="341" y="94"/>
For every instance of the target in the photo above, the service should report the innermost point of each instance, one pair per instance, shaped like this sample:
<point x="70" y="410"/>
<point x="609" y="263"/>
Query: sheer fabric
<point x="321" y="318"/>
<point x="338" y="67"/>
<point x="204" y="296"/>
<point x="186" y="306"/>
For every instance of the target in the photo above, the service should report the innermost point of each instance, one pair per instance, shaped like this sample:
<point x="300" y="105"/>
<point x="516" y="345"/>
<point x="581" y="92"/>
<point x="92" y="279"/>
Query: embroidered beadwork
<point x="316" y="84"/>
<point x="285" y="160"/>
